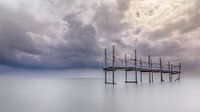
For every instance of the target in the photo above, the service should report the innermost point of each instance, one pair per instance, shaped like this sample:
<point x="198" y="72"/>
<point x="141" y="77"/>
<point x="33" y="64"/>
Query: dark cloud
<point x="82" y="48"/>
<point x="14" y="40"/>
<point x="19" y="49"/>
<point x="123" y="5"/>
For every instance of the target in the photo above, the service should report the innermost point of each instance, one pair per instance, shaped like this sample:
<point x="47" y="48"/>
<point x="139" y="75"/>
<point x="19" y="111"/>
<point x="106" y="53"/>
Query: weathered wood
<point x="169" y="67"/>
<point x="125" y="68"/>
<point x="149" y="59"/>
<point x="136" y="66"/>
<point x="171" y="78"/>
<point x="179" y="77"/>
<point x="113" y="64"/>
<point x="151" y="70"/>
<point x="105" y="65"/>
<point x="140" y="71"/>
<point x="161" y="69"/>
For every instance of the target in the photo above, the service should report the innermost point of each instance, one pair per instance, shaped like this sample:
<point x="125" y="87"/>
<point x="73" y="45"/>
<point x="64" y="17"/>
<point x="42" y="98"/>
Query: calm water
<point x="86" y="92"/>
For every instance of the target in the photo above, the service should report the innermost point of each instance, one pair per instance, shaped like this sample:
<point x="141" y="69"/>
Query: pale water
<point x="86" y="92"/>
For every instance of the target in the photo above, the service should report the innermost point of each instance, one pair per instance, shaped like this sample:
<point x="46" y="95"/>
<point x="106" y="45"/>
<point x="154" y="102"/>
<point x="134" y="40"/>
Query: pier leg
<point x="105" y="65"/>
<point x="149" y="77"/>
<point x="105" y="76"/>
<point x="151" y="71"/>
<point x="125" y="76"/>
<point x="169" y="71"/>
<point x="149" y="58"/>
<point x="113" y="77"/>
<point x="136" y="66"/>
<point x="179" y="75"/>
<point x="161" y="71"/>
<point x="125" y="62"/>
<point x="140" y="71"/>
<point x="113" y="65"/>
<point x="136" y="76"/>
<point x="171" y="77"/>
<point x="161" y="77"/>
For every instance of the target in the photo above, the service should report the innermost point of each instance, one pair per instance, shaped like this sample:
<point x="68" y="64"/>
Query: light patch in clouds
<point x="156" y="13"/>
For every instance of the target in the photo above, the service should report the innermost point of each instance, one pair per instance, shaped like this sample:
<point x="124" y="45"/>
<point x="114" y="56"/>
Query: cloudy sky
<point x="65" y="34"/>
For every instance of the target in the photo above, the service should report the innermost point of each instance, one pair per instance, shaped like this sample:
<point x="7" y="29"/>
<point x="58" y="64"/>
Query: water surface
<point x="86" y="92"/>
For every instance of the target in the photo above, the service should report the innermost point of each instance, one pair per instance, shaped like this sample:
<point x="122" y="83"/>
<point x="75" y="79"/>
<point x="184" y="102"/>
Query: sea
<point x="85" y="91"/>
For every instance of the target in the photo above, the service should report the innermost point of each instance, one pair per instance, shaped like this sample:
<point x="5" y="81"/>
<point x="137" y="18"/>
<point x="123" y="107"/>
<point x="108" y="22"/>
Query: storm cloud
<point x="60" y="34"/>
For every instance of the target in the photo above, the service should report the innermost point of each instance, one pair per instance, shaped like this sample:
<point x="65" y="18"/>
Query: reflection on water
<point x="92" y="95"/>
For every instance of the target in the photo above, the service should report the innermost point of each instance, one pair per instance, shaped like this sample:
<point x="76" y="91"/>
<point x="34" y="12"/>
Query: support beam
<point x="105" y="65"/>
<point x="113" y="65"/>
<point x="131" y="82"/>
<point x="179" y="75"/>
<point x="169" y="68"/>
<point x="179" y="72"/>
<point x="161" y="71"/>
<point x="125" y="68"/>
<point x="140" y="71"/>
<point x="136" y="66"/>
<point x="171" y="77"/>
<point x="149" y="62"/>
<point x="151" y="71"/>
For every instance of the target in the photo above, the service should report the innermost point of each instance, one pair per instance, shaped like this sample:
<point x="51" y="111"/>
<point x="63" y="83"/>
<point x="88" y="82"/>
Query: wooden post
<point x="136" y="66"/>
<point x="171" y="78"/>
<point x="179" y="72"/>
<point x="151" y="70"/>
<point x="140" y="70"/>
<point x="105" y="65"/>
<point x="161" y="71"/>
<point x="125" y="68"/>
<point x="169" y="70"/>
<point x="179" y="75"/>
<point x="149" y="58"/>
<point x="113" y="65"/>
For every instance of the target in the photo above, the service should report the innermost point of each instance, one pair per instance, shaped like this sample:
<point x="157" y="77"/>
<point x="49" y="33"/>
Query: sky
<point x="68" y="34"/>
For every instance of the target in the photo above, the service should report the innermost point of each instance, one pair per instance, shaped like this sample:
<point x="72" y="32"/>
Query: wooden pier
<point x="137" y="65"/>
